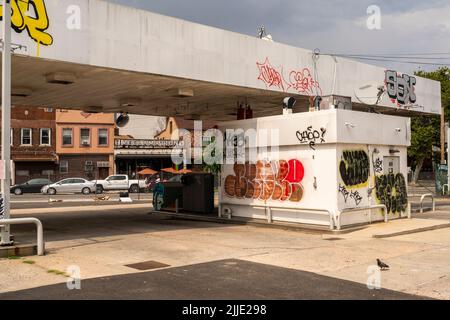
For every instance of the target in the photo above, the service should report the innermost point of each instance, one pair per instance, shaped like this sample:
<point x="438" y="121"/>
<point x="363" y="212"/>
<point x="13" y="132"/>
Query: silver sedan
<point x="70" y="185"/>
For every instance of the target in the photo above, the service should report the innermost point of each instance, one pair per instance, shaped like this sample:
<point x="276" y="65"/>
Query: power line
<point x="394" y="57"/>
<point x="388" y="60"/>
<point x="391" y="54"/>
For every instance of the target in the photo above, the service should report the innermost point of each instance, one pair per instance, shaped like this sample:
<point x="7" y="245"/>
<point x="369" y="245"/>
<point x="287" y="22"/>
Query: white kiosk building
<point x="332" y="167"/>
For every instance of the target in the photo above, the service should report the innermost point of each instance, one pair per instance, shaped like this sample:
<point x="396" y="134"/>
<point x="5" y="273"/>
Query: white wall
<point x="339" y="169"/>
<point x="385" y="188"/>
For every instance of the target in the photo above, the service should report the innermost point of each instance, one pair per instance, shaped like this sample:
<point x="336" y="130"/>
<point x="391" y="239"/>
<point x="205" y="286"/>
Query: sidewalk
<point x="398" y="227"/>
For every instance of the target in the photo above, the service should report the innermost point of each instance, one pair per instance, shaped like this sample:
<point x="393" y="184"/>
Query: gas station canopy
<point x="102" y="57"/>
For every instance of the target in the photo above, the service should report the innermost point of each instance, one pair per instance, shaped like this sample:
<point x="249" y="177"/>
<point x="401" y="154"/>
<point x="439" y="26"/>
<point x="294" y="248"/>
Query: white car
<point x="119" y="182"/>
<point x="70" y="185"/>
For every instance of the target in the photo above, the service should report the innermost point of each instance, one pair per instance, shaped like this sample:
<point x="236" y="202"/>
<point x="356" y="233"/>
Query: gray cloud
<point x="412" y="26"/>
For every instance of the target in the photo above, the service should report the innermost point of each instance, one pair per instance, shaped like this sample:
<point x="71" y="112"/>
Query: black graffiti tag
<point x="354" y="167"/>
<point x="343" y="190"/>
<point x="311" y="136"/>
<point x="400" y="88"/>
<point x="356" y="196"/>
<point x="353" y="194"/>
<point x="391" y="191"/>
<point x="378" y="165"/>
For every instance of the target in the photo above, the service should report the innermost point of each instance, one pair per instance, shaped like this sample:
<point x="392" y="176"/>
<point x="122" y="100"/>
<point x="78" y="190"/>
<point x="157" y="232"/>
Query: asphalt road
<point x="225" y="279"/>
<point x="28" y="201"/>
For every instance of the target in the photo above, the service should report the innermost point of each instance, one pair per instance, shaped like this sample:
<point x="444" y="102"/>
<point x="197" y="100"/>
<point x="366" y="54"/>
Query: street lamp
<point x="5" y="235"/>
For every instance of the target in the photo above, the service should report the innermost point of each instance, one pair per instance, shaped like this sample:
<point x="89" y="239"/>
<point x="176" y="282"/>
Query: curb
<point x="418" y="230"/>
<point x="313" y="229"/>
<point x="23" y="250"/>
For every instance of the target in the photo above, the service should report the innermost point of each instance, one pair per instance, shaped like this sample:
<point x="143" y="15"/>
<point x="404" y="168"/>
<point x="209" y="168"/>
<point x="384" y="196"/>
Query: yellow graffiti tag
<point x="35" y="25"/>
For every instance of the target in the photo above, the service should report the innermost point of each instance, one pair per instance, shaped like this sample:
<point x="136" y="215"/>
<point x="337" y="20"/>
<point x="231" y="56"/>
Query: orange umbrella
<point x="184" y="171"/>
<point x="147" y="172"/>
<point x="169" y="170"/>
<point x="173" y="171"/>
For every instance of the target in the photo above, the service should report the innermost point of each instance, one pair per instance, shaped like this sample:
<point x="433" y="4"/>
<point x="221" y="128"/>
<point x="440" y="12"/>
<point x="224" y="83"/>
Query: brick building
<point x="33" y="151"/>
<point x="85" y="144"/>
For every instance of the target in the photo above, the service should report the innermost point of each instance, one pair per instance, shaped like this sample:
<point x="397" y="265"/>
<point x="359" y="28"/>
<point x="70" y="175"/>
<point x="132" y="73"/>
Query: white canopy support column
<point x="5" y="237"/>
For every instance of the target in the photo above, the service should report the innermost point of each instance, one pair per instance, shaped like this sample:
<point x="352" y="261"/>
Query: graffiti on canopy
<point x="30" y="15"/>
<point x="299" y="81"/>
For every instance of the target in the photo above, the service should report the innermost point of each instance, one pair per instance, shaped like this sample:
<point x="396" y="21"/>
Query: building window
<point x="45" y="139"/>
<point x="170" y="127"/>
<point x="25" y="137"/>
<point x="64" y="166"/>
<point x="88" y="166"/>
<point x="48" y="173"/>
<point x="85" y="137"/>
<point x="23" y="173"/>
<point x="102" y="137"/>
<point x="67" y="135"/>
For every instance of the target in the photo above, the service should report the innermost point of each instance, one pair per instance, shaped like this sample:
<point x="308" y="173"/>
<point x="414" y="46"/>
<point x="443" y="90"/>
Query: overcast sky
<point x="338" y="26"/>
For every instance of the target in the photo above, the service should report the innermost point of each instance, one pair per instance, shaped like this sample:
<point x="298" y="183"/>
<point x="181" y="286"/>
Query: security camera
<point x="122" y="119"/>
<point x="288" y="104"/>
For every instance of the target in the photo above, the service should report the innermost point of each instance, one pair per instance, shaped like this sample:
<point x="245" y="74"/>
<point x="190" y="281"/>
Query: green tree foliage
<point x="426" y="129"/>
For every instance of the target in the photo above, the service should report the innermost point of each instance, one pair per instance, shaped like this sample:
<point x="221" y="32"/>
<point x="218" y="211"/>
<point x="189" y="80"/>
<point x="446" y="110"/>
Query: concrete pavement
<point x="103" y="242"/>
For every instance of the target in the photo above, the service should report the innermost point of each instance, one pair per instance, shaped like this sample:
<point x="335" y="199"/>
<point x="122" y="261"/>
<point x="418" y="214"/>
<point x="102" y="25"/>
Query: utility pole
<point x="442" y="136"/>
<point x="5" y="235"/>
<point x="448" y="159"/>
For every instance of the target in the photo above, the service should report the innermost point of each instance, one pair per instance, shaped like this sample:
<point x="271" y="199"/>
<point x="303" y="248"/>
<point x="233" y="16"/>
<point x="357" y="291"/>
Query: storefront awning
<point x="142" y="156"/>
<point x="34" y="160"/>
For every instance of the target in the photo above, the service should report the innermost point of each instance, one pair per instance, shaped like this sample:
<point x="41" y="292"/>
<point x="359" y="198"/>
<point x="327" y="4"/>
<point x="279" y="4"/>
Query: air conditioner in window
<point x="85" y="143"/>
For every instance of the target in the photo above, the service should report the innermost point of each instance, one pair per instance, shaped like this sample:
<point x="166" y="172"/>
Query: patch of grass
<point x="29" y="262"/>
<point x="57" y="272"/>
<point x="13" y="258"/>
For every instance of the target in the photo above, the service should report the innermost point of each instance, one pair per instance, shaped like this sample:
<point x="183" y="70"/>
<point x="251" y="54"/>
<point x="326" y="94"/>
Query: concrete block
<point x="18" y="251"/>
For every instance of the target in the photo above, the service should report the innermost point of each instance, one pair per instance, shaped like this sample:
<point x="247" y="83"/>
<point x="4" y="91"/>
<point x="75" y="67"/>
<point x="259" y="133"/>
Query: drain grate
<point x="147" y="265"/>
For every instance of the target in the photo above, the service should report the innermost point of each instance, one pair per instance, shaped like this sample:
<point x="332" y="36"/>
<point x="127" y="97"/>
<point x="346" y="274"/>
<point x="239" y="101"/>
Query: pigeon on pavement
<point x="382" y="265"/>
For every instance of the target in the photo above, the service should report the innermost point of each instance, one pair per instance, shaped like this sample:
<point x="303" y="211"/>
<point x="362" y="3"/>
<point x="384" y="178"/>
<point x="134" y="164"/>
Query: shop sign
<point x="146" y="144"/>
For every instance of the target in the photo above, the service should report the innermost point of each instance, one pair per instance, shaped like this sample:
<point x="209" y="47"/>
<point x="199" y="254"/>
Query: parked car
<point x="70" y="185"/>
<point x="119" y="182"/>
<point x="31" y="186"/>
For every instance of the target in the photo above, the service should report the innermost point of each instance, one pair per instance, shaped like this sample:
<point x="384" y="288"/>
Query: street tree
<point x="425" y="130"/>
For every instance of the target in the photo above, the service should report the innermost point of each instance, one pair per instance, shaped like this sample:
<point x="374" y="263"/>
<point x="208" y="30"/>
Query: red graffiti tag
<point x="269" y="75"/>
<point x="299" y="81"/>
<point x="303" y="82"/>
